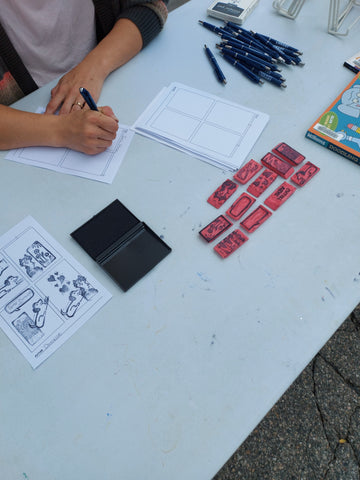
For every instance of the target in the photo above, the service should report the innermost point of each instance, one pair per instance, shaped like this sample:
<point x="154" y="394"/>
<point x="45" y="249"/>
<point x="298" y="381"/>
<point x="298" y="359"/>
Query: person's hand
<point x="88" y="131"/>
<point x="65" y="96"/>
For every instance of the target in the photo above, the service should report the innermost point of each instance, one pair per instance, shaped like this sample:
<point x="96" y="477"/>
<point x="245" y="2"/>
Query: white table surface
<point x="168" y="379"/>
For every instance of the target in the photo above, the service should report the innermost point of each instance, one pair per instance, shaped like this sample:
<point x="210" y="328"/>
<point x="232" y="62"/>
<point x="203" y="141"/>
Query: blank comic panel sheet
<point x="205" y="126"/>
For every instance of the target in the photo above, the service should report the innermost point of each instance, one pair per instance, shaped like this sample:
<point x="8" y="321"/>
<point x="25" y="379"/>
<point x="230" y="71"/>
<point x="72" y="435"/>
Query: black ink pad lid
<point x="105" y="228"/>
<point x="123" y="245"/>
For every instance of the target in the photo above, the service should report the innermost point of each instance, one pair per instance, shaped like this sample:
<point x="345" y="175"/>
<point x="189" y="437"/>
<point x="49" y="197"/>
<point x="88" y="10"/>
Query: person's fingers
<point x="97" y="146"/>
<point x="55" y="101"/>
<point x="108" y="111"/>
<point x="78" y="105"/>
<point x="68" y="103"/>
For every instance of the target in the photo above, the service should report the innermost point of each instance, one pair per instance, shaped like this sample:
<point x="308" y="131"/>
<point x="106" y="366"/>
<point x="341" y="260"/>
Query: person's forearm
<point x="118" y="47"/>
<point x="20" y="129"/>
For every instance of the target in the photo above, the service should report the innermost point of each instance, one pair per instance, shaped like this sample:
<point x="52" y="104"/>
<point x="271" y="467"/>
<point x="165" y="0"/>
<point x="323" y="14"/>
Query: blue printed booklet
<point x="338" y="127"/>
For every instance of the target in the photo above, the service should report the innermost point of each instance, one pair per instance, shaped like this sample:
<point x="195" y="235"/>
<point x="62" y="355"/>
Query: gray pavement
<point x="313" y="431"/>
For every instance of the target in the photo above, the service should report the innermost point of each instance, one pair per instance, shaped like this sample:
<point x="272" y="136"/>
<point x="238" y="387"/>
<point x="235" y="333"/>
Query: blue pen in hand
<point x="217" y="69"/>
<point x="88" y="99"/>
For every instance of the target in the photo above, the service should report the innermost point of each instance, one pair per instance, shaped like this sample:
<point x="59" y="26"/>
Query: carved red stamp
<point x="304" y="174"/>
<point x="253" y="221"/>
<point x="230" y="243"/>
<point x="222" y="193"/>
<point x="261" y="183"/>
<point x="289" y="154"/>
<point x="280" y="195"/>
<point x="246" y="172"/>
<point x="215" y="228"/>
<point x="240" y="206"/>
<point x="277" y="165"/>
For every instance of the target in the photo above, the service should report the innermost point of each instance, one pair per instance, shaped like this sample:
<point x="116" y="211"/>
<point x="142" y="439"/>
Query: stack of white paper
<point x="205" y="126"/>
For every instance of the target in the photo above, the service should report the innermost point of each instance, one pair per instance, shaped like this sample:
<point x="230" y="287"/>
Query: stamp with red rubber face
<point x="222" y="193"/>
<point x="230" y="243"/>
<point x="253" y="221"/>
<point x="304" y="174"/>
<point x="215" y="228"/>
<point x="240" y="206"/>
<point x="246" y="172"/>
<point x="289" y="154"/>
<point x="280" y="195"/>
<point x="277" y="165"/>
<point x="261" y="183"/>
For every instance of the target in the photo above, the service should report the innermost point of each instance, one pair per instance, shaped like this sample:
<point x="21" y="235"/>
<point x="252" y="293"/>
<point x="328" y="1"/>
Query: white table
<point x="168" y="379"/>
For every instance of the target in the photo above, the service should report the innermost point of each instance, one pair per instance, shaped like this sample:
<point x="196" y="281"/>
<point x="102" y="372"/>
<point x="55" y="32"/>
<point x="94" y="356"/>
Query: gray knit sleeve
<point x="149" y="16"/>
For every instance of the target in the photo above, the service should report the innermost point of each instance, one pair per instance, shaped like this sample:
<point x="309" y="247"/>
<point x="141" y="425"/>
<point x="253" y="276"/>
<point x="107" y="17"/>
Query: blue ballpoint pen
<point x="88" y="99"/>
<point x="294" y="57"/>
<point x="251" y="42"/>
<point x="244" y="48"/>
<point x="210" y="26"/>
<point x="244" y="41"/>
<point x="260" y="40"/>
<point x="247" y="58"/>
<point x="250" y="75"/>
<point x="268" y="76"/>
<point x="279" y="44"/>
<point x="233" y="25"/>
<point x="217" y="69"/>
<point x="288" y="60"/>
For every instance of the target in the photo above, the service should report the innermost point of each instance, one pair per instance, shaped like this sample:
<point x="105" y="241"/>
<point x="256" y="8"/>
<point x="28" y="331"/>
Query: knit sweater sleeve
<point x="148" y="15"/>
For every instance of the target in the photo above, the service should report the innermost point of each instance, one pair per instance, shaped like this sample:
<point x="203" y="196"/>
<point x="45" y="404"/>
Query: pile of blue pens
<point x="257" y="56"/>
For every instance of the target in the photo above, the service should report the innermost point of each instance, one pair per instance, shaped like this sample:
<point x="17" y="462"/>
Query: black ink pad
<point x="121" y="244"/>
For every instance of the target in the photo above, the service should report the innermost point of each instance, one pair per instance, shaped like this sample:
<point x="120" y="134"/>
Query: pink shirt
<point x="51" y="36"/>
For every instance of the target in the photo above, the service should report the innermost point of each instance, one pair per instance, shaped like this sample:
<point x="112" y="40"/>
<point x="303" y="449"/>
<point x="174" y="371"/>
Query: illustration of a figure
<point x="83" y="291"/>
<point x="29" y="264"/>
<point x="10" y="283"/>
<point x="350" y="102"/>
<point x="39" y="308"/>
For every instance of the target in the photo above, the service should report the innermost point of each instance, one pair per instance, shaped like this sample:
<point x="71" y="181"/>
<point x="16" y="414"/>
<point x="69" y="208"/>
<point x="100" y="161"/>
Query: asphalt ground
<point x="313" y="431"/>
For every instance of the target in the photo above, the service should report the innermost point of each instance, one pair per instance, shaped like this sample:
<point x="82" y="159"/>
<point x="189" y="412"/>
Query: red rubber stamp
<point x="222" y="193"/>
<point x="240" y="206"/>
<point x="289" y="154"/>
<point x="261" y="183"/>
<point x="230" y="243"/>
<point x="304" y="174"/>
<point x="246" y="172"/>
<point x="277" y="165"/>
<point x="215" y="228"/>
<point x="280" y="195"/>
<point x="253" y="221"/>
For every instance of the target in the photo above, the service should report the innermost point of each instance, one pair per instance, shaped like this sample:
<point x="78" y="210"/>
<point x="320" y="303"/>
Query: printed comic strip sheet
<point x="45" y="294"/>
